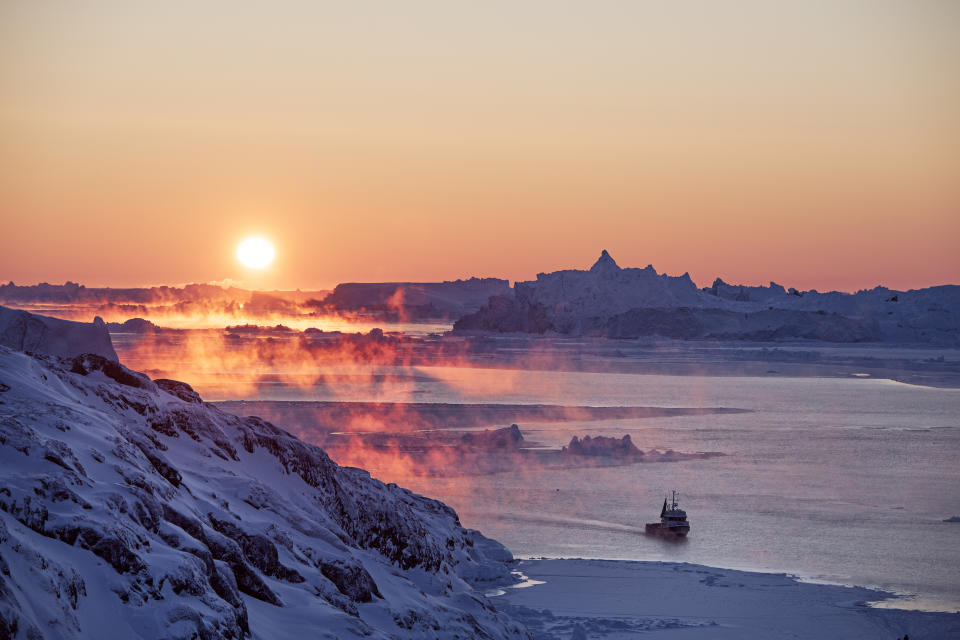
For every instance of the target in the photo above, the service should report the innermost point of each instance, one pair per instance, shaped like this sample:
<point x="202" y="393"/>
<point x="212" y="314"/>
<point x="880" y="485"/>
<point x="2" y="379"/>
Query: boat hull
<point x="658" y="529"/>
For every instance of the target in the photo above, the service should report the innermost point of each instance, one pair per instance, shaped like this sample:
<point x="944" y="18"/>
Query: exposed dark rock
<point x="9" y="621"/>
<point x="29" y="512"/>
<point x="56" y="490"/>
<point x="198" y="426"/>
<point x="190" y="525"/>
<point x="179" y="389"/>
<point x="352" y="580"/>
<point x="205" y="557"/>
<point x="118" y="555"/>
<point x="505" y="438"/>
<point x="89" y="362"/>
<point x="81" y="536"/>
<point x="133" y="325"/>
<point x="224" y="584"/>
<point x="223" y="548"/>
<point x="250" y="583"/>
<point x="186" y="581"/>
<point x="313" y="465"/>
<point x="258" y="550"/>
<point x="602" y="446"/>
<point x="161" y="464"/>
<point x="164" y="424"/>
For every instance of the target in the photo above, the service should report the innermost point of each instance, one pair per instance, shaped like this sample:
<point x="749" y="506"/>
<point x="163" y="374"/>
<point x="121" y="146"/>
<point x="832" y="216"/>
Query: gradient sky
<point x="812" y="143"/>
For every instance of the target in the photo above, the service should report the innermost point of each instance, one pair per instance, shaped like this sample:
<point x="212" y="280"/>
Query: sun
<point x="255" y="253"/>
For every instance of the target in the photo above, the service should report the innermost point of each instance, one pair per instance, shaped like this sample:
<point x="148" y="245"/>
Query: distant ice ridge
<point x="413" y="300"/>
<point x="129" y="508"/>
<point x="607" y="300"/>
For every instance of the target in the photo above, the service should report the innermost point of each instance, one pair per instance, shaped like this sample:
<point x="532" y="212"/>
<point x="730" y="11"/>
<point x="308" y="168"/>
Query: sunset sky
<point x="812" y="143"/>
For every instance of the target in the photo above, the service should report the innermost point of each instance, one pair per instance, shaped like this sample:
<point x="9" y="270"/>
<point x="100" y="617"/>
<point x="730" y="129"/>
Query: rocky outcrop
<point x="602" y="446"/>
<point x="505" y="438"/>
<point x="88" y="363"/>
<point x="624" y="450"/>
<point x="178" y="389"/>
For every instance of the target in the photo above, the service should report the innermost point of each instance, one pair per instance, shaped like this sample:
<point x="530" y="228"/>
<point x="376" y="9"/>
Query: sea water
<point x="845" y="480"/>
<point x="833" y="479"/>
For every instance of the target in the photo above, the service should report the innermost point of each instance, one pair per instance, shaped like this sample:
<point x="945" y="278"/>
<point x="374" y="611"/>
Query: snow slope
<point x="129" y="508"/>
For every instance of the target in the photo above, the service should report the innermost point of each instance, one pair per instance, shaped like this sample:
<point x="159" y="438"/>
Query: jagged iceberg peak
<point x="605" y="264"/>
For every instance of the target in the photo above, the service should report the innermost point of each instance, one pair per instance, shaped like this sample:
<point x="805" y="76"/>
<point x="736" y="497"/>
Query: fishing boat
<point x="673" y="520"/>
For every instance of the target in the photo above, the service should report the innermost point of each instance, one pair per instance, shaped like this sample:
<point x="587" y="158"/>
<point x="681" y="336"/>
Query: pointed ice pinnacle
<point x="605" y="264"/>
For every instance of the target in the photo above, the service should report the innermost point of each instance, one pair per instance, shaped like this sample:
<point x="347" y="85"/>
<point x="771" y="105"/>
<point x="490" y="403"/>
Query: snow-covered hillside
<point x="129" y="508"/>
<point x="608" y="300"/>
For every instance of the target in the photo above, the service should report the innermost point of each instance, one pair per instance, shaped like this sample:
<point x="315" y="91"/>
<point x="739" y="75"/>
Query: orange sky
<point x="813" y="143"/>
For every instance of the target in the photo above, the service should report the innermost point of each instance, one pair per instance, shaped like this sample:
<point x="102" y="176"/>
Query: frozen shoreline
<point x="618" y="599"/>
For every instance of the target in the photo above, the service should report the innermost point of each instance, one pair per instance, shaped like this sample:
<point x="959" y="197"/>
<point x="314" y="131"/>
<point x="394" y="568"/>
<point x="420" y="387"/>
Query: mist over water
<point x="838" y="479"/>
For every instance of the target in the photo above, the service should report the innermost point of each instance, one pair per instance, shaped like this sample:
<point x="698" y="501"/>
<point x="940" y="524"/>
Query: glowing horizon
<point x="252" y="282"/>
<point x="813" y="144"/>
